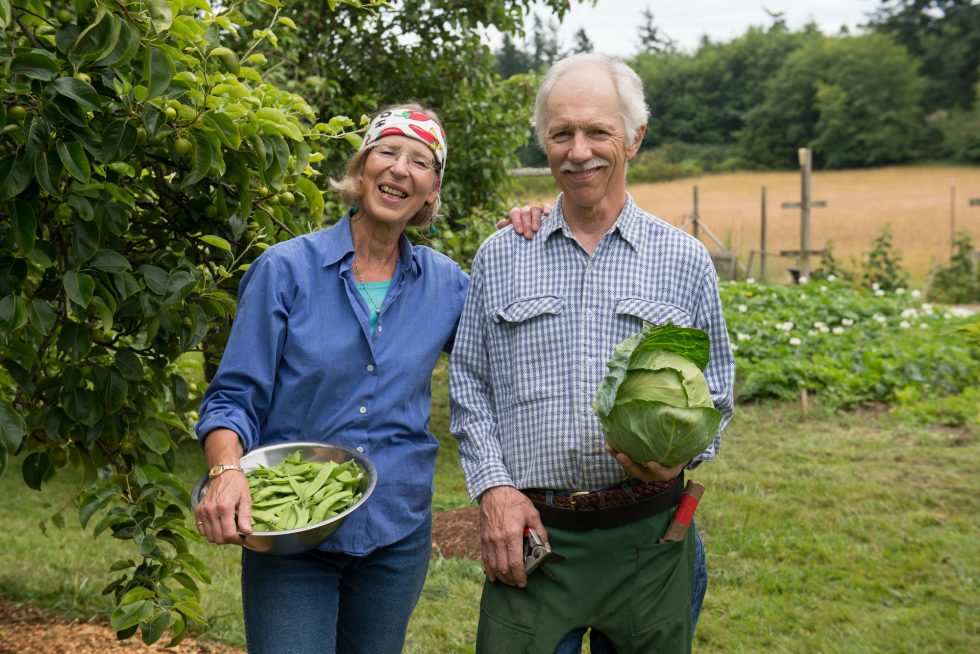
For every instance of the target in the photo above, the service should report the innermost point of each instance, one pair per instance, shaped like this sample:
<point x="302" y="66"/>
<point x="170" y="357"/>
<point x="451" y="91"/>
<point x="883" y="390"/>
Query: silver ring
<point x="200" y="522"/>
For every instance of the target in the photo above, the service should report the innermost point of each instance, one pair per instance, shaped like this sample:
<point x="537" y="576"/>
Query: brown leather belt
<point x="608" y="507"/>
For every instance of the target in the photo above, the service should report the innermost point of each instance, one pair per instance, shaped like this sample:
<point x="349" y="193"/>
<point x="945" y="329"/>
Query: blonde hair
<point x="351" y="187"/>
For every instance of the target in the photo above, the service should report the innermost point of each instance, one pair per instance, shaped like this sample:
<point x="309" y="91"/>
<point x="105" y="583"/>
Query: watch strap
<point x="223" y="467"/>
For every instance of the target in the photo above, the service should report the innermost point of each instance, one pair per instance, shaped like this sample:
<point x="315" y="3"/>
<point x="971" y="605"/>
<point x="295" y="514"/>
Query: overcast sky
<point x="612" y="24"/>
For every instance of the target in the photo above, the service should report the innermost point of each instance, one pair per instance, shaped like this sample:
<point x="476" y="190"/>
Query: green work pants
<point x="620" y="581"/>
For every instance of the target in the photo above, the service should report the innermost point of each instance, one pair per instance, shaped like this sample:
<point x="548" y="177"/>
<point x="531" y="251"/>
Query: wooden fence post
<point x="762" y="243"/>
<point x="804" y="205"/>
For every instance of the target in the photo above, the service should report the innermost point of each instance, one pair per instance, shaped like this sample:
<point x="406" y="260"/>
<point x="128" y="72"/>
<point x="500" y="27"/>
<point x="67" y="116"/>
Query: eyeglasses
<point x="390" y="155"/>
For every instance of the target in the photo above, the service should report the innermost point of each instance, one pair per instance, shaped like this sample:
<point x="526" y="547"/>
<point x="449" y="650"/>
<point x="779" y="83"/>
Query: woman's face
<point x="398" y="179"/>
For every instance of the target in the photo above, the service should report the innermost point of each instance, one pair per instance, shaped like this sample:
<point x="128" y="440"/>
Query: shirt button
<point x="363" y="409"/>
<point x="370" y="367"/>
<point x="360" y="448"/>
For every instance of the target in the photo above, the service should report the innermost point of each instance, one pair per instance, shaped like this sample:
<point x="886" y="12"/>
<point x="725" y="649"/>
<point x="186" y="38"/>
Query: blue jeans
<point x="322" y="602"/>
<point x="572" y="642"/>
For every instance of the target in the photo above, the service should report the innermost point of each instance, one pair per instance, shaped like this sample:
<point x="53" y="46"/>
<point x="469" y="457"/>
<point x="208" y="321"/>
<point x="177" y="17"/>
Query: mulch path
<point x="26" y="630"/>
<point x="456" y="533"/>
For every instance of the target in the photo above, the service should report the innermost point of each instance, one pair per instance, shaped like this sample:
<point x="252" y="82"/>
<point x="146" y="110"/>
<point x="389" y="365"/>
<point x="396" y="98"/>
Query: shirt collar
<point x="626" y="225"/>
<point x="339" y="246"/>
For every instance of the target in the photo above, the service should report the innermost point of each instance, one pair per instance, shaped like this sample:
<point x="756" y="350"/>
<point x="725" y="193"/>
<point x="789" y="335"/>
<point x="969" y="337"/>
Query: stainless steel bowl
<point x="293" y="541"/>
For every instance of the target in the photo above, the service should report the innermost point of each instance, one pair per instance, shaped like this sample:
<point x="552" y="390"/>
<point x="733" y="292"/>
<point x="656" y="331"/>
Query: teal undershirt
<point x="374" y="295"/>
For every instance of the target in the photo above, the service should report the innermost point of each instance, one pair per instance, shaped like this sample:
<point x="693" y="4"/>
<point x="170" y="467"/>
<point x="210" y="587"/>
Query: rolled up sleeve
<point x="239" y="395"/>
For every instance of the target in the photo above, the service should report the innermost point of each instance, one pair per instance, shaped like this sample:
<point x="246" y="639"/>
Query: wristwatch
<point x="221" y="467"/>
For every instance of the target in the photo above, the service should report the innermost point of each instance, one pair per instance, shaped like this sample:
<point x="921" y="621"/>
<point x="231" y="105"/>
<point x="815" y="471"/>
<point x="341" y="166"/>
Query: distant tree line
<point x="905" y="89"/>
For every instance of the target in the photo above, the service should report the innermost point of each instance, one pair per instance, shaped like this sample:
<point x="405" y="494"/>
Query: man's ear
<point x="633" y="149"/>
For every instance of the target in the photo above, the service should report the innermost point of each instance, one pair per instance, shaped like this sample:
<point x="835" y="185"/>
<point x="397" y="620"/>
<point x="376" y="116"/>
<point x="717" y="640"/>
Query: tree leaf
<point x="47" y="170"/>
<point x="36" y="64"/>
<point x="314" y="198"/>
<point x="85" y="241"/>
<point x="116" y="392"/>
<point x="180" y="286"/>
<point x="76" y="341"/>
<point x="38" y="136"/>
<point x="158" y="70"/>
<point x="118" y="141"/>
<point x="104" y="312"/>
<point x="90" y="503"/>
<point x="161" y="15"/>
<point x="36" y="469"/>
<point x="25" y="226"/>
<point x="79" y="287"/>
<point x="217" y="242"/>
<point x="156" y="279"/>
<point x="96" y="40"/>
<point x="15" y="176"/>
<point x="154" y="439"/>
<point x="80" y="91"/>
<point x="12" y="427"/>
<point x="13" y="314"/>
<point x="129" y="614"/>
<point x="223" y="125"/>
<point x="152" y="630"/>
<point x="123" y="168"/>
<point x="129" y="365"/>
<point x="73" y="157"/>
<point x="125" y="49"/>
<point x="203" y="156"/>
<point x="41" y="315"/>
<point x="110" y="261"/>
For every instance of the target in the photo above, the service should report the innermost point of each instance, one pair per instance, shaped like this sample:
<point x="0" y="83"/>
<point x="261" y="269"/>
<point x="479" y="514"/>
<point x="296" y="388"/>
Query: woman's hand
<point x="224" y="514"/>
<point x="526" y="220"/>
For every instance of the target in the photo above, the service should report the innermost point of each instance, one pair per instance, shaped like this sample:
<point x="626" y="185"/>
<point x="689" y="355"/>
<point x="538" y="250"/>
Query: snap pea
<point x="296" y="493"/>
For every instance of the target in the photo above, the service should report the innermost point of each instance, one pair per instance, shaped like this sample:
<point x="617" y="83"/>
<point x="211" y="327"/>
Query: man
<point x="540" y="321"/>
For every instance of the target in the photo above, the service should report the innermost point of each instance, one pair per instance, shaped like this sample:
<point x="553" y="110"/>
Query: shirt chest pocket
<point x="535" y="342"/>
<point x="635" y="311"/>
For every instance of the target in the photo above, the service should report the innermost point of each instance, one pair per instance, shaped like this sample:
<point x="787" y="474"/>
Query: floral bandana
<point x="413" y="124"/>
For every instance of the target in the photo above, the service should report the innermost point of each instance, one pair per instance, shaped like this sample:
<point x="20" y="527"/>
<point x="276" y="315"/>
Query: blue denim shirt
<point x="302" y="364"/>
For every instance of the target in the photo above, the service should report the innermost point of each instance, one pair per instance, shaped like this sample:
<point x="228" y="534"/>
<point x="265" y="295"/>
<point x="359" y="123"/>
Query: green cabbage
<point x="654" y="404"/>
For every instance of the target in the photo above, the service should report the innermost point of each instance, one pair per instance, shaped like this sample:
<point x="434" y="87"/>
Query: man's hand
<point x="526" y="220"/>
<point x="504" y="513"/>
<point x="651" y="471"/>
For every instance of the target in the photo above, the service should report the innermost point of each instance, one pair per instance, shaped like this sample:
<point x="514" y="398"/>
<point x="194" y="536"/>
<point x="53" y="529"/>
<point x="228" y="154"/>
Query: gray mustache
<point x="580" y="167"/>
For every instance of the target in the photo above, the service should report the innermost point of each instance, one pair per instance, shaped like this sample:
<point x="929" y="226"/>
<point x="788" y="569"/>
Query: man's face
<point x="585" y="141"/>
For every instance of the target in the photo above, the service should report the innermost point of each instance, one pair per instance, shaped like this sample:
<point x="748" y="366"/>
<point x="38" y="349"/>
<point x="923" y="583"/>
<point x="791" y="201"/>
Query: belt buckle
<point x="572" y="496"/>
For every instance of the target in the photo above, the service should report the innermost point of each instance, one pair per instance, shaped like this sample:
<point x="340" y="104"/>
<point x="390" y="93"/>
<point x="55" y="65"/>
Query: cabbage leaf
<point x="654" y="404"/>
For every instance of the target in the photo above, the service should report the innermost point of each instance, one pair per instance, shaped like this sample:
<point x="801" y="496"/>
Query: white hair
<point x="632" y="105"/>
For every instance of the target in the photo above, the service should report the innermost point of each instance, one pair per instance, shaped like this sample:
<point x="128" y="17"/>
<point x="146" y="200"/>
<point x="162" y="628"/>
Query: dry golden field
<point x="916" y="201"/>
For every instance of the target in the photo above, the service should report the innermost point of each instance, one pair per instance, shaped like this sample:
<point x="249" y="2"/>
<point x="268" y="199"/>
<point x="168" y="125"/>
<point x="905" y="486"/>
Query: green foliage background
<point x="149" y="151"/>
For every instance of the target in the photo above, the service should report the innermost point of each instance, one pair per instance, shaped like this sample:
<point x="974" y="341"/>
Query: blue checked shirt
<point x="302" y="364"/>
<point x="541" y="320"/>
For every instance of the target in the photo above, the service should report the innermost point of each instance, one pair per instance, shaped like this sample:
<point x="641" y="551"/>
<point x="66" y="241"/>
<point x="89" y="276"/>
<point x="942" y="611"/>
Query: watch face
<point x="215" y="471"/>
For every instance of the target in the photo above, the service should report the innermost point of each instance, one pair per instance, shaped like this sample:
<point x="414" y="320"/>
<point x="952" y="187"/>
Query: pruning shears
<point x="537" y="553"/>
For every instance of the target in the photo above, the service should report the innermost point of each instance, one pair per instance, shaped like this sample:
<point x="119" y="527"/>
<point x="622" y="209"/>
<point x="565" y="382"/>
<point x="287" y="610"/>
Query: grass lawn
<point x="846" y="533"/>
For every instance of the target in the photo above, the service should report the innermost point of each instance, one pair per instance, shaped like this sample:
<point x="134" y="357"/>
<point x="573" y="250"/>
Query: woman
<point x="335" y="339"/>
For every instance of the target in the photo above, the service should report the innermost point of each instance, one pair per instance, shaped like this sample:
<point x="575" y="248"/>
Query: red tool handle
<point x="684" y="513"/>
